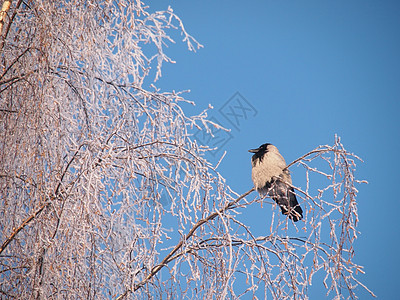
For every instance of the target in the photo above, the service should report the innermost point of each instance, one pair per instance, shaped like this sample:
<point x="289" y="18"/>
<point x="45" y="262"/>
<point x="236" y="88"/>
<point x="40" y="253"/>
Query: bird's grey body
<point x="272" y="179"/>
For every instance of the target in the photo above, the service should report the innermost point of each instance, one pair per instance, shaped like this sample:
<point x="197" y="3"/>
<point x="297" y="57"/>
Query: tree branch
<point x="8" y="110"/>
<point x="22" y="226"/>
<point x="170" y="255"/>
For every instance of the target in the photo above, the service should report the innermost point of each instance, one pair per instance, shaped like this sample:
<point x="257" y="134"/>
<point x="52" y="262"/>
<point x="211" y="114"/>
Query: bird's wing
<point x="285" y="197"/>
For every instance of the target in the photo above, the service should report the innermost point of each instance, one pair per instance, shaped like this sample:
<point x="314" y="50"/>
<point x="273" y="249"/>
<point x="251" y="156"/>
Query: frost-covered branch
<point x="105" y="193"/>
<point x="170" y="256"/>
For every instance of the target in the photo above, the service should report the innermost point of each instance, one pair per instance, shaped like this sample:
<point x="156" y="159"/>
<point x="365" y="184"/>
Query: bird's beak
<point x="253" y="150"/>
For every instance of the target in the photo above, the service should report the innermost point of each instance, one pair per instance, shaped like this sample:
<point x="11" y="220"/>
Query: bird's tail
<point x="285" y="197"/>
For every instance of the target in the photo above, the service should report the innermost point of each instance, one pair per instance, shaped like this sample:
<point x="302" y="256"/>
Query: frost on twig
<point x="284" y="262"/>
<point x="104" y="193"/>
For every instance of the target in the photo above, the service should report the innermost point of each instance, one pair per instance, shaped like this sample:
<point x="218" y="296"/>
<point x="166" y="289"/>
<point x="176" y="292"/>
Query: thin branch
<point x="317" y="150"/>
<point x="22" y="226"/>
<point x="4" y="36"/>
<point x="8" y="110"/>
<point x="168" y="257"/>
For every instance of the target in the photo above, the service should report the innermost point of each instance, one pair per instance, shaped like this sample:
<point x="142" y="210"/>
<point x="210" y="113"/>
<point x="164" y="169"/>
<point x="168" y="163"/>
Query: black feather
<point x="285" y="197"/>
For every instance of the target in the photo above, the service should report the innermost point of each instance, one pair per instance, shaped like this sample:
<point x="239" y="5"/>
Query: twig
<point x="26" y="222"/>
<point x="317" y="150"/>
<point x="171" y="255"/>
<point x="168" y="257"/>
<point x="8" y="110"/>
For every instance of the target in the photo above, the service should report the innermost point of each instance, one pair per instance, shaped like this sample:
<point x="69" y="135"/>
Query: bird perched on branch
<point x="271" y="178"/>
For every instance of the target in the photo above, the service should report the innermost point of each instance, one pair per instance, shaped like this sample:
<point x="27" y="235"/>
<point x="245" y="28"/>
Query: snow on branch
<point x="285" y="261"/>
<point x="104" y="192"/>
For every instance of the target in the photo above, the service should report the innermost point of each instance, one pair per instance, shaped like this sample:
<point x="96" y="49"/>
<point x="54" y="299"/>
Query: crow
<point x="271" y="179"/>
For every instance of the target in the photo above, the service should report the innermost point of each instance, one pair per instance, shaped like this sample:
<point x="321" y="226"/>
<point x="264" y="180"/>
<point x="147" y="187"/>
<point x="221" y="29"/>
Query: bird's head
<point x="260" y="151"/>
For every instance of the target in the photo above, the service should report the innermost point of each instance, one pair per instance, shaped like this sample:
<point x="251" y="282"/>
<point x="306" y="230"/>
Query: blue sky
<point x="310" y="69"/>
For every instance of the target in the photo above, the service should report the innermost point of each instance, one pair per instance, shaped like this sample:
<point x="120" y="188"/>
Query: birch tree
<point x="104" y="192"/>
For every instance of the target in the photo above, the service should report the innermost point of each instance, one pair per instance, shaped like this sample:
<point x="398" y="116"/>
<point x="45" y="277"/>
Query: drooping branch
<point x="22" y="226"/>
<point x="169" y="257"/>
<point x="110" y="202"/>
<point x="175" y="252"/>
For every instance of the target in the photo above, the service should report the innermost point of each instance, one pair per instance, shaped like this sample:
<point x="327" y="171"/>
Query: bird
<point x="271" y="178"/>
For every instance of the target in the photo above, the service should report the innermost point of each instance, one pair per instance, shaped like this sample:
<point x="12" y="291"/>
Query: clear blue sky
<point x="309" y="69"/>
